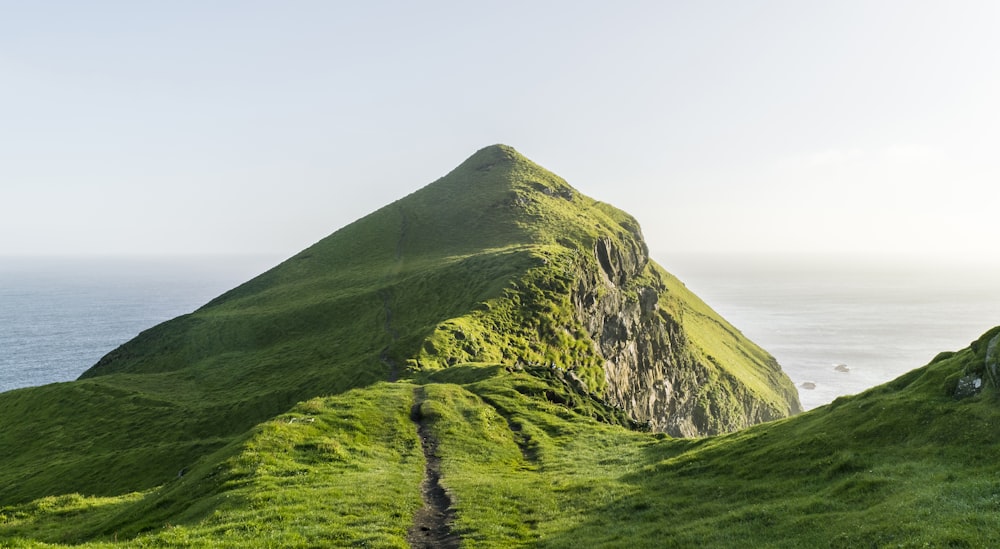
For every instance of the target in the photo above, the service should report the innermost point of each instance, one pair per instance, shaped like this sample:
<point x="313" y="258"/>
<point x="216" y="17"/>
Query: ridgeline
<point x="491" y="361"/>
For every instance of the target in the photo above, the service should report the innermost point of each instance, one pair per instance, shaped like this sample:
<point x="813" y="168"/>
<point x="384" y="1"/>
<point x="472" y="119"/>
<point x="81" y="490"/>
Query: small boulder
<point x="968" y="386"/>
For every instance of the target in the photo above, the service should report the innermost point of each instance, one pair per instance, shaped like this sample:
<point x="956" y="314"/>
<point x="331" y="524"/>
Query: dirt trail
<point x="384" y="356"/>
<point x="387" y="297"/>
<point x="404" y="226"/>
<point x="432" y="523"/>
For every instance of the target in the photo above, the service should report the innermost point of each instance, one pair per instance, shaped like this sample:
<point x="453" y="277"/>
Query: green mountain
<point x="499" y="262"/>
<point x="492" y="361"/>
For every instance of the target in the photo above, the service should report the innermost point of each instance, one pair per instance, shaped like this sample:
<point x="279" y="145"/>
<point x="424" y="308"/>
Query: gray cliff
<point x="652" y="369"/>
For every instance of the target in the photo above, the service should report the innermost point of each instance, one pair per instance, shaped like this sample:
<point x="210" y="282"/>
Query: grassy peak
<point x="492" y="155"/>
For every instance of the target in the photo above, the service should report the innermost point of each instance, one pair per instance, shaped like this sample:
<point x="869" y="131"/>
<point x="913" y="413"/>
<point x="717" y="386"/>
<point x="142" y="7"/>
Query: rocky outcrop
<point x="992" y="363"/>
<point x="977" y="373"/>
<point x="651" y="369"/>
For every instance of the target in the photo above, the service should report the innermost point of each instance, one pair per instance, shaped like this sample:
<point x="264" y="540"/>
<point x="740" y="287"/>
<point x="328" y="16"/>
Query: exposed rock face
<point x="992" y="363"/>
<point x="969" y="385"/>
<point x="650" y="367"/>
<point x="977" y="374"/>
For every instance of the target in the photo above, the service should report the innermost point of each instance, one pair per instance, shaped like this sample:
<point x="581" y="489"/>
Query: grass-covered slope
<point x="513" y="312"/>
<point x="529" y="460"/>
<point x="480" y="266"/>
<point x="336" y="471"/>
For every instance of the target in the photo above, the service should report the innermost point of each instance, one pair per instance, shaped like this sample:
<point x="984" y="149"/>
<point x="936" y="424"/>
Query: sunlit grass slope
<point x="529" y="460"/>
<point x="906" y="464"/>
<point x="341" y="471"/>
<point x="475" y="267"/>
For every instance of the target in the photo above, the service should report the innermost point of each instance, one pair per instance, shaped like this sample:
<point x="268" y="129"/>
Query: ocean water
<point x="875" y="318"/>
<point x="840" y="325"/>
<point x="58" y="317"/>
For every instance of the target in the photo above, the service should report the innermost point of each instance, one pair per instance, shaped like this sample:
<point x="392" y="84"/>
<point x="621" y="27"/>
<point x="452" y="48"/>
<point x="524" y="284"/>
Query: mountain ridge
<point x="511" y="337"/>
<point x="521" y="214"/>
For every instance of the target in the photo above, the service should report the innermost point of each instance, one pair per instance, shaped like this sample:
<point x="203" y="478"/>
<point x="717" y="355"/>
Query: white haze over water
<point x="880" y="318"/>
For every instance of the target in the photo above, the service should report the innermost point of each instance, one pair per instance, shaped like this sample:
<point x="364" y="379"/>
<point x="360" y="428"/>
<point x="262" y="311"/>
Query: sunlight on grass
<point x="279" y="415"/>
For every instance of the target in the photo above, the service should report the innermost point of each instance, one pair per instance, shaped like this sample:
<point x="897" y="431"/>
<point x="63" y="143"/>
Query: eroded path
<point x="384" y="356"/>
<point x="432" y="523"/>
<point x="386" y="295"/>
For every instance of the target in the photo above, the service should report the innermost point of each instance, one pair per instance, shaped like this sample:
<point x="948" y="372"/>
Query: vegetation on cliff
<point x="906" y="464"/>
<point x="484" y="266"/>
<point x="514" y="336"/>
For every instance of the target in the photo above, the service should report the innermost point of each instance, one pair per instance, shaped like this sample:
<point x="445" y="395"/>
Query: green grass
<point x="903" y="465"/>
<point x="338" y="471"/>
<point x="185" y="436"/>
<point x="528" y="463"/>
<point x="478" y="266"/>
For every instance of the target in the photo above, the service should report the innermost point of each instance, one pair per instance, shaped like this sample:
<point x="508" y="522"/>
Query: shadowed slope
<point x="911" y="464"/>
<point x="498" y="262"/>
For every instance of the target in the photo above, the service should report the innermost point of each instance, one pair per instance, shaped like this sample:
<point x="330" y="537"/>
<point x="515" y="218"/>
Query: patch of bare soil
<point x="432" y="523"/>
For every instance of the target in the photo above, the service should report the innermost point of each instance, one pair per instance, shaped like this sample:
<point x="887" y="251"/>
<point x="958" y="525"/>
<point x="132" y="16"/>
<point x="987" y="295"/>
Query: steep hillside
<point x="523" y="463"/>
<point x="499" y="272"/>
<point x="499" y="261"/>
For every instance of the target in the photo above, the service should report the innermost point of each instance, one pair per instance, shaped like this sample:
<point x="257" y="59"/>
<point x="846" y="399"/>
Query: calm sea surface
<point x="59" y="316"/>
<point x="878" y="319"/>
<point x="873" y="318"/>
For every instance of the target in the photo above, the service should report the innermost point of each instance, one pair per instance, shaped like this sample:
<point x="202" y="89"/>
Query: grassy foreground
<point x="528" y="463"/>
<point x="481" y="266"/>
<point x="285" y="412"/>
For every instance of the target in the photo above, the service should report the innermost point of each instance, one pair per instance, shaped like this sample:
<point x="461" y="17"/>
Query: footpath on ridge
<point x="432" y="523"/>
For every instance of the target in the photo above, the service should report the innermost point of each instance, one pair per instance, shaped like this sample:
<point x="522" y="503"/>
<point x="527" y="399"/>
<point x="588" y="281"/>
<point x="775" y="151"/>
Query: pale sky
<point x="262" y="126"/>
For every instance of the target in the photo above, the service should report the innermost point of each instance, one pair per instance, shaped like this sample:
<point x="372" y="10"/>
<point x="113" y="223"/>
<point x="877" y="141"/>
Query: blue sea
<point x="837" y="325"/>
<point x="59" y="316"/>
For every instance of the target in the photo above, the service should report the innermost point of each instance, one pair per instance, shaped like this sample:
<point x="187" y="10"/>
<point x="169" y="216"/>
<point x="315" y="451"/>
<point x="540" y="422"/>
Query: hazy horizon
<point x="924" y="262"/>
<point x="881" y="318"/>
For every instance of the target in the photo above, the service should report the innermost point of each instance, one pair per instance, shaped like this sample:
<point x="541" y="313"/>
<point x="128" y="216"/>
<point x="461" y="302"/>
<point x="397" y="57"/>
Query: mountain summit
<point x="480" y="362"/>
<point x="498" y="262"/>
